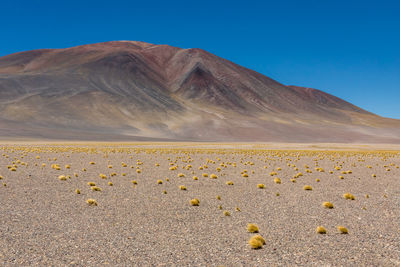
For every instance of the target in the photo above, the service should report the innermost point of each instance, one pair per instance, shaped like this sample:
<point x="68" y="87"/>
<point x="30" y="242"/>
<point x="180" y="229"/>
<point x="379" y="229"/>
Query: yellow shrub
<point x="328" y="205"/>
<point x="349" y="196"/>
<point x="342" y="229"/>
<point x="252" y="228"/>
<point x="182" y="187"/>
<point x="321" y="230"/>
<point x="195" y="202"/>
<point x="256" y="242"/>
<point x="91" y="202"/>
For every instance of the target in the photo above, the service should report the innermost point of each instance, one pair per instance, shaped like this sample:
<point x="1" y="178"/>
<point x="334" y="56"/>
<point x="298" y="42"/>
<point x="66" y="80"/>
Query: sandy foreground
<point x="139" y="221"/>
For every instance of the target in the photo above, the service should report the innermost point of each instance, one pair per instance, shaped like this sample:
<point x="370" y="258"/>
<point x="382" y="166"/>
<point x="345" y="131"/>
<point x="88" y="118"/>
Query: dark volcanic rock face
<point x="134" y="90"/>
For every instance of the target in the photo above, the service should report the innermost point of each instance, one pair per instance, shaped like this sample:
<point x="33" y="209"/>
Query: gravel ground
<point x="44" y="222"/>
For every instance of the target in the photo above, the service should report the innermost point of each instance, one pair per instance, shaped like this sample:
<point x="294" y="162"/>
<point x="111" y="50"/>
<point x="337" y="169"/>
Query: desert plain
<point x="125" y="204"/>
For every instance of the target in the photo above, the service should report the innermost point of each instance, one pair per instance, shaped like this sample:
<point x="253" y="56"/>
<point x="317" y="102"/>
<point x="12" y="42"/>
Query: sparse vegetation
<point x="195" y="202"/>
<point x="328" y="205"/>
<point x="188" y="165"/>
<point x="252" y="228"/>
<point x="342" y="230"/>
<point x="256" y="242"/>
<point x="91" y="202"/>
<point x="349" y="196"/>
<point x="321" y="230"/>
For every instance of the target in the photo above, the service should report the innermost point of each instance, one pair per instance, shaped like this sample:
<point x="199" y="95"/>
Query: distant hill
<point x="130" y="90"/>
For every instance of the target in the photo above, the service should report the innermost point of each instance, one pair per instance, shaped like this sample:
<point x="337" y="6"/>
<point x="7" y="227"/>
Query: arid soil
<point x="139" y="221"/>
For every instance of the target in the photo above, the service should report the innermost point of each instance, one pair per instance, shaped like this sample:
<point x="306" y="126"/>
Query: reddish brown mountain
<point x="138" y="91"/>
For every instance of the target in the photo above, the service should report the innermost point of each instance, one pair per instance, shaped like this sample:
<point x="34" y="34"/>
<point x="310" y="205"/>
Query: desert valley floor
<point x="130" y="204"/>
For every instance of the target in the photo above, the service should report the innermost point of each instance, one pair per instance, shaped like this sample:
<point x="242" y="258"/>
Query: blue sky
<point x="347" y="48"/>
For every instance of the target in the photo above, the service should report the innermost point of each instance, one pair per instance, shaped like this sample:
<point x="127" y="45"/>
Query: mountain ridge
<point x="130" y="88"/>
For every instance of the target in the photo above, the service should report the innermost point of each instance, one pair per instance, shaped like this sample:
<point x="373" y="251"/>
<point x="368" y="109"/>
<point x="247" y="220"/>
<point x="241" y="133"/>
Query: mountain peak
<point x="132" y="89"/>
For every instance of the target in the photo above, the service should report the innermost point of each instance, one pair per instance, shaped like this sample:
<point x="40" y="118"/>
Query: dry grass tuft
<point x="91" y="202"/>
<point x="229" y="183"/>
<point x="95" y="188"/>
<point x="260" y="238"/>
<point x="256" y="242"/>
<point x="342" y="230"/>
<point x="261" y="186"/>
<point x="349" y="196"/>
<point x="277" y="180"/>
<point x="327" y="205"/>
<point x="321" y="230"/>
<point x="227" y="213"/>
<point x="307" y="187"/>
<point x="252" y="228"/>
<point x="195" y="202"/>
<point x="182" y="187"/>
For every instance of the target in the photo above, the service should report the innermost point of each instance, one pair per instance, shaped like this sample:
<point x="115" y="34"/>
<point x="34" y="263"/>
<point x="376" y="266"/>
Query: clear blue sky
<point x="348" y="48"/>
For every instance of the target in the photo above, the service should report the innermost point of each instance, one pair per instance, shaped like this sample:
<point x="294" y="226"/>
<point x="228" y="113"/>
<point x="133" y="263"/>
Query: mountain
<point x="126" y="90"/>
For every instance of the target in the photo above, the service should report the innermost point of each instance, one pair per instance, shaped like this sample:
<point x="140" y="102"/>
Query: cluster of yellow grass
<point x="195" y="202"/>
<point x="341" y="229"/>
<point x="252" y="228"/>
<point x="256" y="241"/>
<point x="91" y="202"/>
<point x="349" y="196"/>
<point x="328" y="205"/>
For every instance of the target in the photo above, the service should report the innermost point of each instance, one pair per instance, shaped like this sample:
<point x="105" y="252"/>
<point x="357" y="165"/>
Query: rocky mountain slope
<point x="129" y="90"/>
